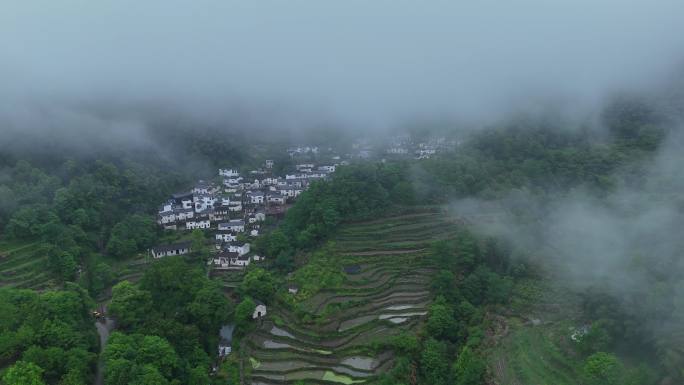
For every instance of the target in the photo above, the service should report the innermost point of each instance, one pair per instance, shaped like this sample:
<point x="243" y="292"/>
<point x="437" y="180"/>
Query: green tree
<point x="30" y="222"/>
<point x="138" y="358"/>
<point x="602" y="369"/>
<point x="597" y="339"/>
<point x="469" y="368"/>
<point x="23" y="373"/>
<point x="243" y="315"/>
<point x="130" y="305"/>
<point x="444" y="284"/>
<point x="441" y="323"/>
<point x="433" y="362"/>
<point x="210" y="308"/>
<point x="134" y="233"/>
<point x="259" y="284"/>
<point x="199" y="249"/>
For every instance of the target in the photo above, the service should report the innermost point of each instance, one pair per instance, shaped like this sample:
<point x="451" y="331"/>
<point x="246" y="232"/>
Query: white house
<point x="218" y="214"/>
<point x="167" y="206"/>
<point x="241" y="261"/>
<point x="269" y="163"/>
<point x="256" y="197"/>
<point x="183" y="199"/>
<point x="327" y="168"/>
<point x="235" y="207"/>
<point x="260" y="215"/>
<point x="166" y="217"/>
<point x="290" y="191"/>
<point x="225" y="236"/>
<point x="228" y="172"/>
<point x="254" y="232"/>
<point x="184" y="214"/>
<point x="198" y="224"/>
<point x="202" y="187"/>
<point x="269" y="181"/>
<point x="172" y="249"/>
<point x="204" y="201"/>
<point x="234" y="225"/>
<point x="240" y="248"/>
<point x="225" y="259"/>
<point x="259" y="310"/>
<point x="397" y="150"/>
<point x="231" y="260"/>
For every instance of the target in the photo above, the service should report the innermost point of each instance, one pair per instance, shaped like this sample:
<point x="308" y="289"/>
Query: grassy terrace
<point x="331" y="335"/>
<point x="23" y="265"/>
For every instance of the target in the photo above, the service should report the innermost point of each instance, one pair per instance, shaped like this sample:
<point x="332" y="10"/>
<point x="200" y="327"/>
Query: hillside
<point x="336" y="332"/>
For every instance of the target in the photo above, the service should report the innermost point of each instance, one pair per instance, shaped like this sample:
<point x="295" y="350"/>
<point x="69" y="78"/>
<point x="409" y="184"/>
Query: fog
<point x="626" y="244"/>
<point x="85" y="73"/>
<point x="359" y="64"/>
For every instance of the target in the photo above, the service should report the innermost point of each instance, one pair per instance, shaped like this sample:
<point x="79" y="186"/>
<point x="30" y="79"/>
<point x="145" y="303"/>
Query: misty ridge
<point x="81" y="72"/>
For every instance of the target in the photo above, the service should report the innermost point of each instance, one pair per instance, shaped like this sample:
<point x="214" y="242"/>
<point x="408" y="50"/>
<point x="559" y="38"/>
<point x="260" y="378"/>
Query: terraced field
<point x="23" y="265"/>
<point x="332" y="336"/>
<point x="229" y="279"/>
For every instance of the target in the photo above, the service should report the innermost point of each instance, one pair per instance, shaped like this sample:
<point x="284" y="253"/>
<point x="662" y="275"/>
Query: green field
<point x="535" y="345"/>
<point x="331" y="331"/>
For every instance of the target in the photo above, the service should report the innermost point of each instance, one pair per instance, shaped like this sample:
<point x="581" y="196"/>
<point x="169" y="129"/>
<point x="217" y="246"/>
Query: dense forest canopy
<point x="86" y="211"/>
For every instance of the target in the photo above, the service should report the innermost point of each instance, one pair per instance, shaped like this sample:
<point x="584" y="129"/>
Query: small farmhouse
<point x="259" y="310"/>
<point x="172" y="249"/>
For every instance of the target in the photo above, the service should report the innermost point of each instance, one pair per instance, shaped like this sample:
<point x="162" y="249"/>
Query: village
<point x="234" y="208"/>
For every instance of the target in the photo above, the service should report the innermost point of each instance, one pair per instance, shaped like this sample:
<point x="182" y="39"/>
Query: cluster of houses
<point x="233" y="208"/>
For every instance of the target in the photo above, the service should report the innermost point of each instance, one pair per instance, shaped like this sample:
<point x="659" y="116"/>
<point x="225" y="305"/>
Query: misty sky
<point x="359" y="61"/>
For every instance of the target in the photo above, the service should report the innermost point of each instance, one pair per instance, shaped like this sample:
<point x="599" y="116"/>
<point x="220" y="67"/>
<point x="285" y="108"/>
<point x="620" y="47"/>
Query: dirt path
<point x="384" y="252"/>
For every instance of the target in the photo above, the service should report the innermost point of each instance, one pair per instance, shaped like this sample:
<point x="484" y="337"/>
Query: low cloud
<point x="356" y="63"/>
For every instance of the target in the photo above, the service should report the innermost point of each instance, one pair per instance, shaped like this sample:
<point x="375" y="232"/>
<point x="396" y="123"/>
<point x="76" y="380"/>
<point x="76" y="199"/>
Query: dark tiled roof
<point x="173" y="246"/>
<point x="227" y="254"/>
<point x="187" y="194"/>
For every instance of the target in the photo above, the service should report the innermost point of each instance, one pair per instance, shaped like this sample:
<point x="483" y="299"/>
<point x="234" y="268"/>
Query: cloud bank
<point x="360" y="63"/>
